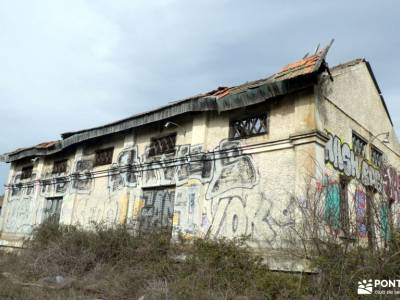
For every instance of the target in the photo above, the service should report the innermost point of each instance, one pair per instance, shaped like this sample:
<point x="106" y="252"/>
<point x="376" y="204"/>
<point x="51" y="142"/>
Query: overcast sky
<point x="69" y="65"/>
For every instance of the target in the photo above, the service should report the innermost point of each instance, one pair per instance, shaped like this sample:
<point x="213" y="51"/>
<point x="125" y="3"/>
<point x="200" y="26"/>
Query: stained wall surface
<point x="350" y="104"/>
<point x="211" y="184"/>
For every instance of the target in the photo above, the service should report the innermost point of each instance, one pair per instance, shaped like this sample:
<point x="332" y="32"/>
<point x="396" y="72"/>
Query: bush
<point x="113" y="263"/>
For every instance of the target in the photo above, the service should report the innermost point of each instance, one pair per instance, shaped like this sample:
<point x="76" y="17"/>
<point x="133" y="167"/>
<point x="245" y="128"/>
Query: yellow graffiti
<point x="193" y="181"/>
<point x="176" y="219"/>
<point x="137" y="207"/>
<point x="123" y="204"/>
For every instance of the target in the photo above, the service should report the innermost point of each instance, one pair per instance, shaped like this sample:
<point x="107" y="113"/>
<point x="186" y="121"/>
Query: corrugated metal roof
<point x="292" y="77"/>
<point x="41" y="146"/>
<point x="301" y="67"/>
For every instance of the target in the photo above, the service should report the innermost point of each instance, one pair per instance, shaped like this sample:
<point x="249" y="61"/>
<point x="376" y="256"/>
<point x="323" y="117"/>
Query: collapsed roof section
<point x="291" y="78"/>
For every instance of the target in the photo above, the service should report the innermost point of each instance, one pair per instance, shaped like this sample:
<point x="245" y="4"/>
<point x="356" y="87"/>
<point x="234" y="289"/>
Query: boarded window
<point x="336" y="212"/>
<point x="250" y="126"/>
<point x="162" y="145"/>
<point x="332" y="205"/>
<point x="60" y="166"/>
<point x="359" y="145"/>
<point x="361" y="213"/>
<point x="158" y="208"/>
<point x="26" y="172"/>
<point x="376" y="157"/>
<point x="53" y="209"/>
<point x="104" y="157"/>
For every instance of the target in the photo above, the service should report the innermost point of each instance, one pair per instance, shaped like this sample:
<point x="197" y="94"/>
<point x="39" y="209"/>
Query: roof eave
<point x="256" y="92"/>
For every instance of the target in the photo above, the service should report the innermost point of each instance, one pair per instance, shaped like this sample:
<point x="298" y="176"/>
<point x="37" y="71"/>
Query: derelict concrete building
<point x="228" y="162"/>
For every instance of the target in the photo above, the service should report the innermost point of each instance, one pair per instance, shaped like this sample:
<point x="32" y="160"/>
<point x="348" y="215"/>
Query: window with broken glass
<point x="103" y="157"/>
<point x="53" y="209"/>
<point x="376" y="157"/>
<point x="60" y="166"/>
<point x="359" y="145"/>
<point x="26" y="172"/>
<point x="162" y="145"/>
<point x="250" y="126"/>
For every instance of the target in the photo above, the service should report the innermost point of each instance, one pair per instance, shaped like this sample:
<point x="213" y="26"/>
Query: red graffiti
<point x="391" y="183"/>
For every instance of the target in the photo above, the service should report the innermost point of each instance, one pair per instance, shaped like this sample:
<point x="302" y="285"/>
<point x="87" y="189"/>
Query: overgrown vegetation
<point x="113" y="263"/>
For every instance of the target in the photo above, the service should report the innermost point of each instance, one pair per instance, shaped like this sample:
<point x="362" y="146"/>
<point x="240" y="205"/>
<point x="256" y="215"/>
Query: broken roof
<point x="293" y="77"/>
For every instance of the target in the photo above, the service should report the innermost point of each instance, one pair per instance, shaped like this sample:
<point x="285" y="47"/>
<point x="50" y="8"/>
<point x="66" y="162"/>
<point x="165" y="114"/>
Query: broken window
<point x="104" y="157"/>
<point x="53" y="209"/>
<point x="60" y="166"/>
<point x="249" y="126"/>
<point x="376" y="157"/>
<point x="358" y="145"/>
<point x="26" y="172"/>
<point x="162" y="145"/>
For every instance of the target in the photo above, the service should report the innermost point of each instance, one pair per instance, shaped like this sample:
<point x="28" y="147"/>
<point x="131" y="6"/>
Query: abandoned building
<point x="230" y="162"/>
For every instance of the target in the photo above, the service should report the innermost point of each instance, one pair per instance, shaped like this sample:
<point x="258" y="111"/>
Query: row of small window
<point x="359" y="148"/>
<point x="239" y="128"/>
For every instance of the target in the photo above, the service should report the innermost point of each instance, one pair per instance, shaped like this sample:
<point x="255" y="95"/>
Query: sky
<point x="69" y="65"/>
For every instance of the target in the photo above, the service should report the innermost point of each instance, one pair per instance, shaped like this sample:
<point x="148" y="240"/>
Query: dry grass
<point x="112" y="263"/>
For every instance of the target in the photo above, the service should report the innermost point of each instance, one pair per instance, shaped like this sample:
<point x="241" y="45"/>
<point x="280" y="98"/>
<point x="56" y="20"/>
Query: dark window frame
<point x="26" y="172"/>
<point x="103" y="157"/>
<point x="374" y="149"/>
<point x="156" y="144"/>
<point x="359" y="137"/>
<point x="60" y="166"/>
<point x="236" y="125"/>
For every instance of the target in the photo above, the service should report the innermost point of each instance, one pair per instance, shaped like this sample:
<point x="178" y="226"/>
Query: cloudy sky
<point x="69" y="65"/>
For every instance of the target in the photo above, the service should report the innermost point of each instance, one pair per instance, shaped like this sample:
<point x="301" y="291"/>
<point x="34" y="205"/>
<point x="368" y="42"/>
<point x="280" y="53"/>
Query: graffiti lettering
<point x="391" y="181"/>
<point x="345" y="160"/>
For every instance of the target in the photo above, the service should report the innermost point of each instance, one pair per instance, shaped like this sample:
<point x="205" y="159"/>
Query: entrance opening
<point x="158" y="209"/>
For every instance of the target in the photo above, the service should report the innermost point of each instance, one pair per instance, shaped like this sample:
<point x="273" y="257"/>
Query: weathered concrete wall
<point x="351" y="103"/>
<point x="211" y="184"/>
<point x="227" y="188"/>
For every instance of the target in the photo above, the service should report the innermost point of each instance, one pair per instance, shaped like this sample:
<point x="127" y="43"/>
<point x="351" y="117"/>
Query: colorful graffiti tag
<point x="361" y="208"/>
<point x="391" y="182"/>
<point x="343" y="159"/>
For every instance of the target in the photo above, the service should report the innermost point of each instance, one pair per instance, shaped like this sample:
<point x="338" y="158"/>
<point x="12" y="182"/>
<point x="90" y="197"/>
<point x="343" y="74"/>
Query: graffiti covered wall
<point x="360" y="178"/>
<point x="217" y="192"/>
<point x="343" y="159"/>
